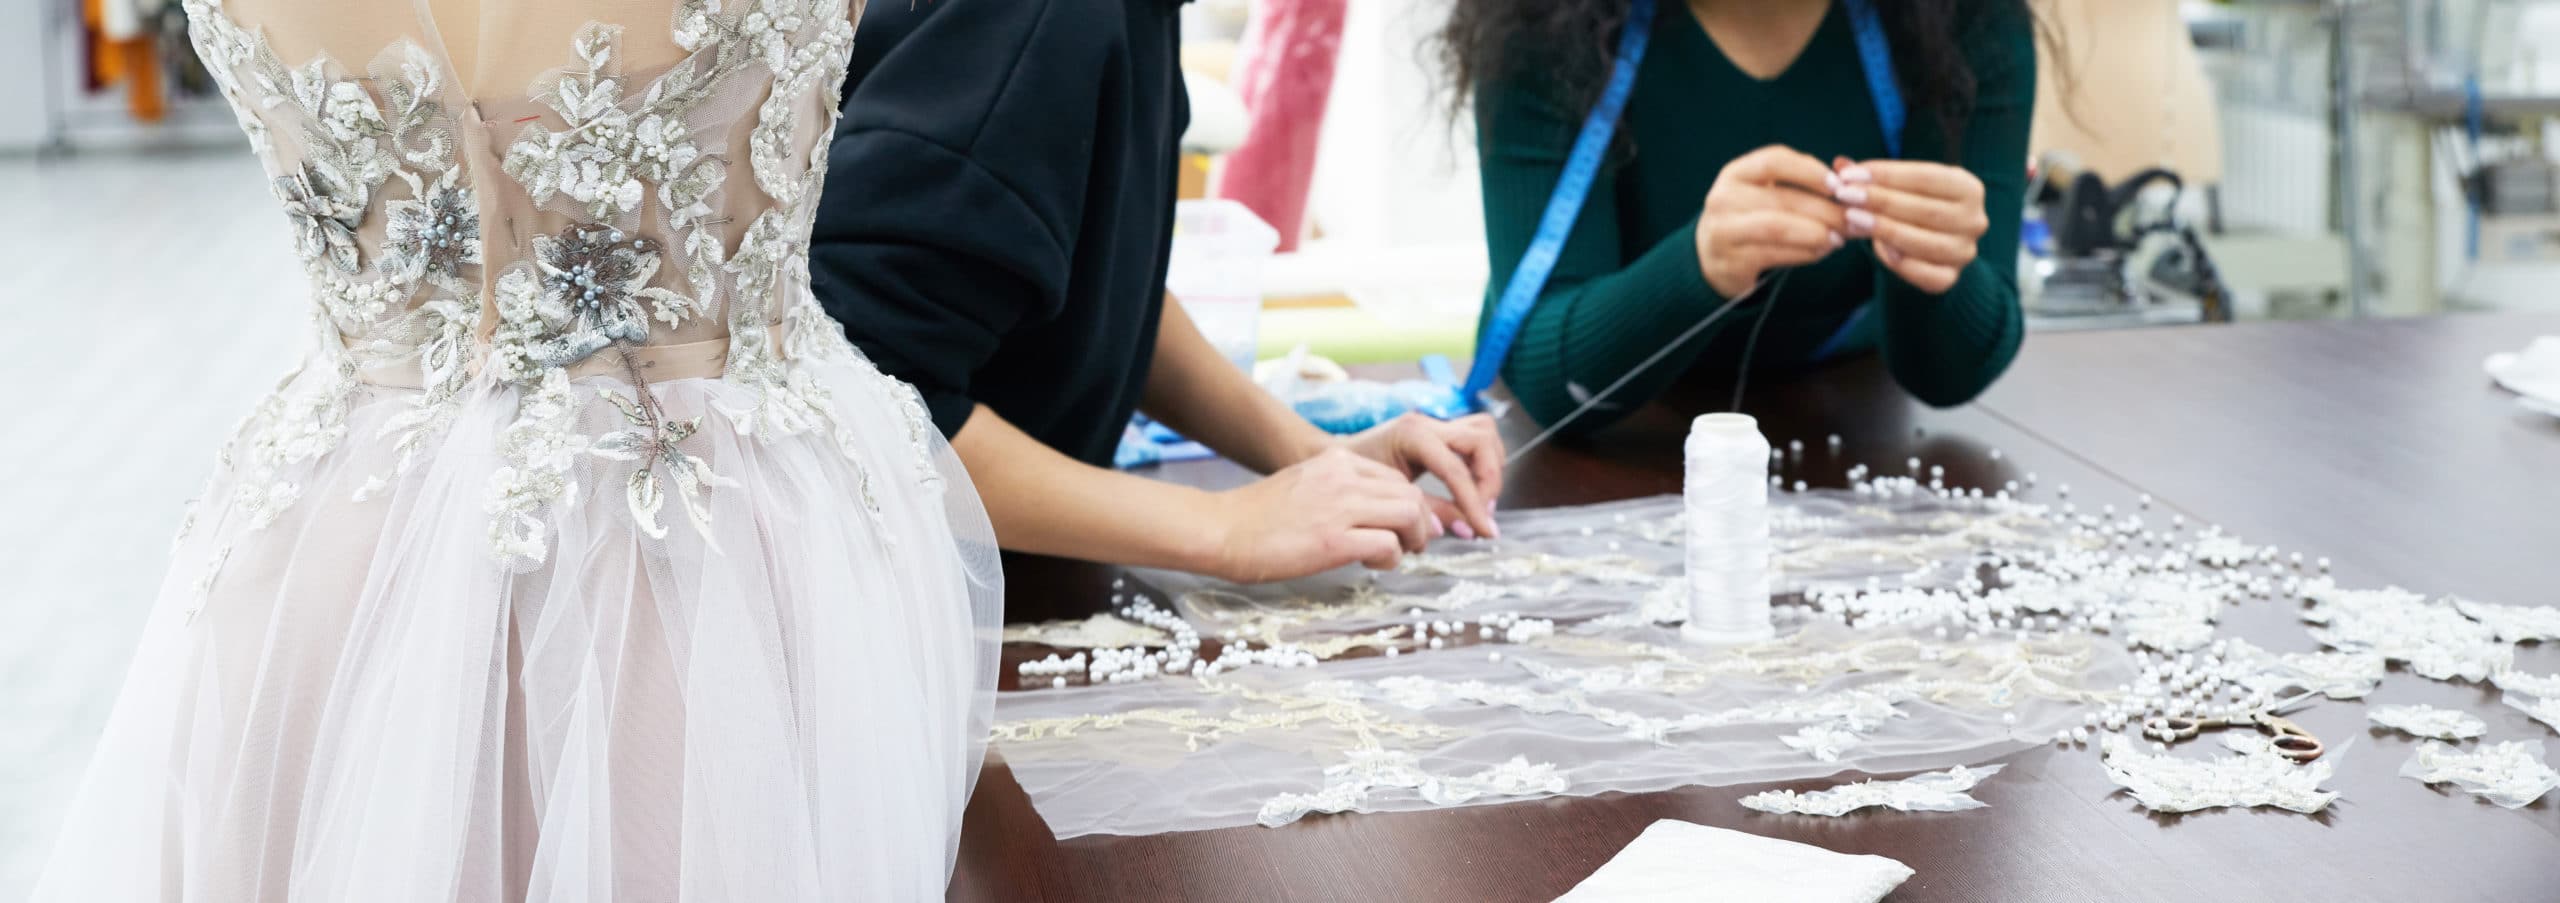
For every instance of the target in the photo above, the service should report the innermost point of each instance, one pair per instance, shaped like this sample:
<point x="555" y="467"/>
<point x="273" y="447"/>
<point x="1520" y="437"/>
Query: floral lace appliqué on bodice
<point x="511" y="259"/>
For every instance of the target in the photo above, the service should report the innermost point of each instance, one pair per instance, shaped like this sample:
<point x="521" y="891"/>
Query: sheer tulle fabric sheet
<point x="369" y="706"/>
<point x="1610" y="700"/>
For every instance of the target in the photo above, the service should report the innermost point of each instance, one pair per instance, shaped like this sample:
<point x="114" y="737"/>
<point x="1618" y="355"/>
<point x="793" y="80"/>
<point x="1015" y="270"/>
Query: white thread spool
<point x="1726" y="492"/>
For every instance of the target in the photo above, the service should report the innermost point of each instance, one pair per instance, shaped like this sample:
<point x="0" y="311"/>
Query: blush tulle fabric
<point x="466" y="615"/>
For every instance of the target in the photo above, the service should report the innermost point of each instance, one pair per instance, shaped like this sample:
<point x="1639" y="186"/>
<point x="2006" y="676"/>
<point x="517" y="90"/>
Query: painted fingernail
<point x="1831" y="183"/>
<point x="1837" y="241"/>
<point x="1861" y="223"/>
<point x="1857" y="175"/>
<point x="1889" y="254"/>
<point x="1491" y="505"/>
<point x="1463" y="531"/>
<point x="1438" y="527"/>
<point x="1851" y="194"/>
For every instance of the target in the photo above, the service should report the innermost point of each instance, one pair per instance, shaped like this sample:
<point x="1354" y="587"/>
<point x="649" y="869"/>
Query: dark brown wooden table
<point x="2378" y="444"/>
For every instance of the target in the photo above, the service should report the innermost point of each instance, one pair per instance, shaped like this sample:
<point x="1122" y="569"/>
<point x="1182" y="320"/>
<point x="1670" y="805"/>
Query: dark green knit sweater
<point x="1628" y="280"/>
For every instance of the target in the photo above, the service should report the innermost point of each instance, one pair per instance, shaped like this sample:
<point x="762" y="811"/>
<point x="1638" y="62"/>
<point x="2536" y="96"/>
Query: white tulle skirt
<point x="363" y="703"/>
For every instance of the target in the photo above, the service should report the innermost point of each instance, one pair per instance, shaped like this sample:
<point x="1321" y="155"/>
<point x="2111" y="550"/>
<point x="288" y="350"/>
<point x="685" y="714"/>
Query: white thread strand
<point x="1771" y="282"/>
<point x="1726" y="492"/>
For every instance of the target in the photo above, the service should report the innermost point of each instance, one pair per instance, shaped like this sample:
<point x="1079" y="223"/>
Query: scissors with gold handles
<point x="2290" y="739"/>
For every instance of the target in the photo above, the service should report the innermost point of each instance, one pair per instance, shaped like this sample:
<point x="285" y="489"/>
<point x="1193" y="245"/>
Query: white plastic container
<point x="1219" y="251"/>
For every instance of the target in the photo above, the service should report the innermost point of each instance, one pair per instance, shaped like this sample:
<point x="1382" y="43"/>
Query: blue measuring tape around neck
<point x="1574" y="186"/>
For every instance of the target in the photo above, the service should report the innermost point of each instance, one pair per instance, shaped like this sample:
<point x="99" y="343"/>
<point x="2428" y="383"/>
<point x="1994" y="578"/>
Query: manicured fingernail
<point x="1851" y="194"/>
<point x="1889" y="254"/>
<point x="1438" y="527"/>
<point x="1493" y="531"/>
<point x="1831" y="183"/>
<point x="1837" y="241"/>
<point x="1491" y="506"/>
<point x="1857" y="175"/>
<point x="1861" y="223"/>
<point x="1463" y="531"/>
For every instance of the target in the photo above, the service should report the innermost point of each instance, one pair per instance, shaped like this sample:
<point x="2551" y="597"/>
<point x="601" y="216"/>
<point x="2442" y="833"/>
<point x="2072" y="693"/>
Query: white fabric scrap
<point x="2533" y="374"/>
<point x="1825" y="741"/>
<point x="1936" y="791"/>
<point x="2546" y="686"/>
<point x="2429" y="721"/>
<point x="2545" y="710"/>
<point x="1678" y="861"/>
<point x="2514" y="623"/>
<point x="2510" y="774"/>
<point x="2257" y="776"/>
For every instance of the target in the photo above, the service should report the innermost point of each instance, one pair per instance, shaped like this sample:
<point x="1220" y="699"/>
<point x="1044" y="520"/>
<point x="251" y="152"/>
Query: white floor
<point x="150" y="301"/>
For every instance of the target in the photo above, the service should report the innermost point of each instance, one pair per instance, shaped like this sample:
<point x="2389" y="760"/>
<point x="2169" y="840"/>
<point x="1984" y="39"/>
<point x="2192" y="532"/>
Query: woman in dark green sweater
<point x="1752" y="144"/>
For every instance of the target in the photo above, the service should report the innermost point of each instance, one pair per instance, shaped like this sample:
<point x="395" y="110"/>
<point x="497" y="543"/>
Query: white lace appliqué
<point x="2510" y="774"/>
<point x="2428" y="721"/>
<point x="2255" y="775"/>
<point x="1350" y="784"/>
<point x="1937" y="791"/>
<point x="2432" y="638"/>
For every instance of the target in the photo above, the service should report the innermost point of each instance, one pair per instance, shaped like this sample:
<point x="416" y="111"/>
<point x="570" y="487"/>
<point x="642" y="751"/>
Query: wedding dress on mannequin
<point x="582" y="558"/>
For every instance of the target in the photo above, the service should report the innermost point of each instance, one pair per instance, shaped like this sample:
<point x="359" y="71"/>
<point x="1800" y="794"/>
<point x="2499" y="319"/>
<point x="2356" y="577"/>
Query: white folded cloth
<point x="2533" y="373"/>
<point x="1676" y="860"/>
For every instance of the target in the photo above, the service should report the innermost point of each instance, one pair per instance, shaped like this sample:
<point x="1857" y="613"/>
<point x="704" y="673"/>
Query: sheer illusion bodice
<point x="412" y="178"/>
<point x="582" y="558"/>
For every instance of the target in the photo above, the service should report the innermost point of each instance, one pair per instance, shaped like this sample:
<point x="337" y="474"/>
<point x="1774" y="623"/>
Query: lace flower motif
<point x="437" y="232"/>
<point x="1937" y="791"/>
<point x="539" y="449"/>
<point x="325" y="209"/>
<point x="1349" y="785"/>
<point x="653" y="441"/>
<point x="593" y="279"/>
<point x="350" y="114"/>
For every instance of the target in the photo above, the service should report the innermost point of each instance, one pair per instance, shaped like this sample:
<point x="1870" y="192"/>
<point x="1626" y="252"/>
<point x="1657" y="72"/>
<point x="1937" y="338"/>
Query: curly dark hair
<point x="1574" y="42"/>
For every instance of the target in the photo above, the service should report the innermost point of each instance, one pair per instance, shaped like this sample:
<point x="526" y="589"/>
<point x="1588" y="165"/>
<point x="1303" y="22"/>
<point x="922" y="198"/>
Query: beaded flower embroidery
<point x="386" y="219"/>
<point x="593" y="278"/>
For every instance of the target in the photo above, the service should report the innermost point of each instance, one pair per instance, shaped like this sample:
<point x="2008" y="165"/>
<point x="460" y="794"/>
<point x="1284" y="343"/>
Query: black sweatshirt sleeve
<point x="956" y="181"/>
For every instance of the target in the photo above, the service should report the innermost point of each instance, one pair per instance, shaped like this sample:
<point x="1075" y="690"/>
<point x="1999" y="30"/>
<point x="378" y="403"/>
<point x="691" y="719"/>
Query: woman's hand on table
<point x="1465" y="453"/>
<point x="1924" y="217"/>
<point x="1333" y="509"/>
<point x="1769" y="209"/>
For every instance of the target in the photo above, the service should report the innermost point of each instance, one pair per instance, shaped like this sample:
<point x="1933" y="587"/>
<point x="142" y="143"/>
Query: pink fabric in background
<point x="1284" y="70"/>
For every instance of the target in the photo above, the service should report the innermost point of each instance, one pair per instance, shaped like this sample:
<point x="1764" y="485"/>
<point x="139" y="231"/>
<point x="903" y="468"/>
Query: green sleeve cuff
<point x="1946" y="349"/>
